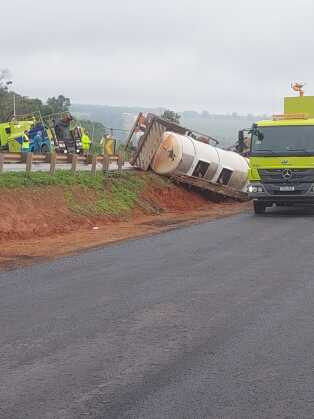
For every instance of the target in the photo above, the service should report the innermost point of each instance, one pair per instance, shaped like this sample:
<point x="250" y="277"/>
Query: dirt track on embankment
<point x="38" y="223"/>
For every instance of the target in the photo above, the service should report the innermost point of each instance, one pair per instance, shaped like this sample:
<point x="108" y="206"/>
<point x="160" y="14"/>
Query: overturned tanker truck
<point x="187" y="157"/>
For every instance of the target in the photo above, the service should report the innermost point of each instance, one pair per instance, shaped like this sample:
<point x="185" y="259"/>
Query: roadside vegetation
<point x="90" y="195"/>
<point x="27" y="105"/>
<point x="60" y="178"/>
<point x="115" y="195"/>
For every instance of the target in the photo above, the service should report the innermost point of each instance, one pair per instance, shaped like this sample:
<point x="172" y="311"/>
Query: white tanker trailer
<point x="182" y="155"/>
<point x="172" y="150"/>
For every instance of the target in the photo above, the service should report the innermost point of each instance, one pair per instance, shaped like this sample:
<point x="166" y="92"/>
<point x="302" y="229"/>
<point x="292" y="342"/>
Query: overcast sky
<point x="218" y="55"/>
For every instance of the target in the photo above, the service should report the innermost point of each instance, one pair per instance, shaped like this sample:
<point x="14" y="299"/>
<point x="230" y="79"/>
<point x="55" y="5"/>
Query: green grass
<point x="115" y="195"/>
<point x="60" y="178"/>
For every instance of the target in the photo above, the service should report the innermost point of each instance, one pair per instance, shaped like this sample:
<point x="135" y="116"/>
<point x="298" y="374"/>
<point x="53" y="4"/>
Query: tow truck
<point x="62" y="127"/>
<point x="282" y="156"/>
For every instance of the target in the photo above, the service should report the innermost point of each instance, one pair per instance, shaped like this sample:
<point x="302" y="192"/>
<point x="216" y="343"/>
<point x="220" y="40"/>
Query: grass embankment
<point x="43" y="216"/>
<point x="90" y="195"/>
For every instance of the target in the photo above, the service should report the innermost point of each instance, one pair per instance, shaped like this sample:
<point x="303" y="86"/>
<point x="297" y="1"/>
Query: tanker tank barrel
<point x="182" y="154"/>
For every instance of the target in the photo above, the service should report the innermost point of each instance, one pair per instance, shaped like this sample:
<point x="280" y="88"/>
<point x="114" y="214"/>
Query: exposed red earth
<point x="37" y="224"/>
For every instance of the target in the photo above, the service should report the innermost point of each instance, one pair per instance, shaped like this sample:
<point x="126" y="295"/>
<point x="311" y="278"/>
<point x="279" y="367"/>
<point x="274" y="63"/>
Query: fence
<point x="53" y="159"/>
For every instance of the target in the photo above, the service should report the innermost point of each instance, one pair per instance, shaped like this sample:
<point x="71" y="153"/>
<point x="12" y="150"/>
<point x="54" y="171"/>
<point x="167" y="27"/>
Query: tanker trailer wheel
<point x="259" y="207"/>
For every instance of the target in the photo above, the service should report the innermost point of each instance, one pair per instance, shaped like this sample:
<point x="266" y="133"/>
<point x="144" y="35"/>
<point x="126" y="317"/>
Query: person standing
<point x="108" y="145"/>
<point x="86" y="142"/>
<point x="25" y="143"/>
<point x="38" y="140"/>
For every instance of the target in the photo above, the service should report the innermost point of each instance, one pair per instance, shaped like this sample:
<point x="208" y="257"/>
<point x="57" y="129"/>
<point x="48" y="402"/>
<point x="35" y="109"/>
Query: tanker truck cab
<point x="282" y="161"/>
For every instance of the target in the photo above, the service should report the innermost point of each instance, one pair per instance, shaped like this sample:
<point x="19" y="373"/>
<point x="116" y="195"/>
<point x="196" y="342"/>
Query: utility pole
<point x="9" y="83"/>
<point x="93" y="132"/>
<point x="14" y="107"/>
<point x="92" y="139"/>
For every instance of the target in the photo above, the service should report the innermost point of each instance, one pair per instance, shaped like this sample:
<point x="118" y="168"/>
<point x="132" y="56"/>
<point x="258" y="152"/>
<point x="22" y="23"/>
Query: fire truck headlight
<point x="255" y="189"/>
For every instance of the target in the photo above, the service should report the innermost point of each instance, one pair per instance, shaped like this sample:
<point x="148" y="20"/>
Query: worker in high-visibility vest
<point x="103" y="144"/>
<point x="25" y="143"/>
<point x="86" y="142"/>
<point x="108" y="145"/>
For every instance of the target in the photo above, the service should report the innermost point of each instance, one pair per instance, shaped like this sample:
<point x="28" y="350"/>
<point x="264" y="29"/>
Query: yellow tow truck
<point x="282" y="156"/>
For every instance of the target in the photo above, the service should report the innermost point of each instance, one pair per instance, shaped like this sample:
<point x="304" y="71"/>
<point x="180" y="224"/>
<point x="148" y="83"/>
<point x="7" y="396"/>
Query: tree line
<point x="26" y="105"/>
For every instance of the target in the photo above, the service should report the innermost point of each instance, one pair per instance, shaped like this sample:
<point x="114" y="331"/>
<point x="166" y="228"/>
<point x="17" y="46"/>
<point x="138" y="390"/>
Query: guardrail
<point x="54" y="159"/>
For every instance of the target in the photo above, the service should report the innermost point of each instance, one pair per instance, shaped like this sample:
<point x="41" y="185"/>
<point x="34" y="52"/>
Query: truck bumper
<point x="270" y="193"/>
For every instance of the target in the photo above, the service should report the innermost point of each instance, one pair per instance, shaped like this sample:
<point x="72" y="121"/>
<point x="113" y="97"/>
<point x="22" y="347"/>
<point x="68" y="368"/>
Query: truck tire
<point x="259" y="207"/>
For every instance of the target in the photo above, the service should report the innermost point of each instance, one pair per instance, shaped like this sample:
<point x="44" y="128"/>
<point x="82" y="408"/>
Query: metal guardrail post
<point x="94" y="164"/>
<point x="53" y="161"/>
<point x="120" y="163"/>
<point x="1" y="162"/>
<point x="122" y="156"/>
<point x="74" y="163"/>
<point x="105" y="163"/>
<point x="29" y="161"/>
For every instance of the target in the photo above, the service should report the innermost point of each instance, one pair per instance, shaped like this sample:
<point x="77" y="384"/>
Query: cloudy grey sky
<point x="218" y="55"/>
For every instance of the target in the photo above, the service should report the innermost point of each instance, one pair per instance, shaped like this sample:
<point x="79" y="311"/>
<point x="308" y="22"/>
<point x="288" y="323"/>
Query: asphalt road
<point x="210" y="321"/>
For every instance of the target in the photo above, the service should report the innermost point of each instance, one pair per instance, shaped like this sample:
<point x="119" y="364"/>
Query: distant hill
<point x="223" y="127"/>
<point x="118" y="118"/>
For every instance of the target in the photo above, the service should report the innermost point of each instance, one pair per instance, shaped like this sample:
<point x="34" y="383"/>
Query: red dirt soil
<point x="36" y="224"/>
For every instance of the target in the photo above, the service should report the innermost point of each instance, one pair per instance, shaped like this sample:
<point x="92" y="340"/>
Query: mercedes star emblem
<point x="286" y="174"/>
